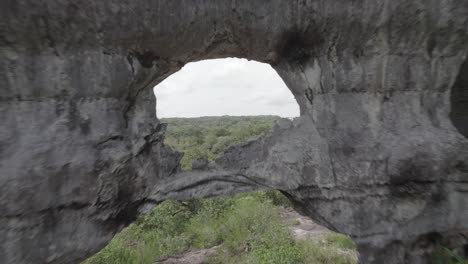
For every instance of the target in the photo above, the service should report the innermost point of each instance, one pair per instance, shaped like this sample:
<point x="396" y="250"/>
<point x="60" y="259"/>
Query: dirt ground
<point x="302" y="228"/>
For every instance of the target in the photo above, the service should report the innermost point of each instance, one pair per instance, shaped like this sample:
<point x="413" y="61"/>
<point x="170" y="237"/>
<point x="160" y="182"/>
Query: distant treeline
<point x="207" y="137"/>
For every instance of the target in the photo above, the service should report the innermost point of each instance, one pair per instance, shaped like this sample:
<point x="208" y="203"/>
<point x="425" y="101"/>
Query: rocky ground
<point x="302" y="227"/>
<point x="191" y="257"/>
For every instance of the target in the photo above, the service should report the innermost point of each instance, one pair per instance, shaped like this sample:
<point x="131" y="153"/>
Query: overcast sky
<point x="224" y="87"/>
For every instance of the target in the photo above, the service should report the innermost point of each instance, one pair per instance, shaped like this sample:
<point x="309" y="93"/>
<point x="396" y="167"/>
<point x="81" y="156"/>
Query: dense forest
<point x="207" y="137"/>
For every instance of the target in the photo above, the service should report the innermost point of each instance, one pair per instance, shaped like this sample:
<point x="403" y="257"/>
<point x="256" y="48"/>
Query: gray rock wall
<point x="379" y="152"/>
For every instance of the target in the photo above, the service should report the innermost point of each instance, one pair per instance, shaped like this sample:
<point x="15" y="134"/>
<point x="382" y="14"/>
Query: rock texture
<point x="380" y="151"/>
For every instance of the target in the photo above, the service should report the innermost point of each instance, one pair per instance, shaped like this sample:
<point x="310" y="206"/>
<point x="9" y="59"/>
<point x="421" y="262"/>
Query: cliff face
<point x="379" y="152"/>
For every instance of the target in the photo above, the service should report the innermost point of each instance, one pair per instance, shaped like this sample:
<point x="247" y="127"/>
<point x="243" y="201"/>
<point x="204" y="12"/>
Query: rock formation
<point x="380" y="151"/>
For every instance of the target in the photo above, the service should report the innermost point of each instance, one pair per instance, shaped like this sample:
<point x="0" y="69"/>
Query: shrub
<point x="275" y="246"/>
<point x="443" y="255"/>
<point x="340" y="241"/>
<point x="316" y="253"/>
<point x="167" y="218"/>
<point x="277" y="198"/>
<point x="156" y="234"/>
<point x="252" y="233"/>
<point x="115" y="252"/>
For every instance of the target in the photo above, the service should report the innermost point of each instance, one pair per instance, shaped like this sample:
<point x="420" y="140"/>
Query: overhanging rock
<point x="379" y="152"/>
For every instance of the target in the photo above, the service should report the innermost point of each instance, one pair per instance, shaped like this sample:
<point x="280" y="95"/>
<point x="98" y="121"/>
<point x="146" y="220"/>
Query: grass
<point x="247" y="227"/>
<point x="318" y="253"/>
<point x="340" y="241"/>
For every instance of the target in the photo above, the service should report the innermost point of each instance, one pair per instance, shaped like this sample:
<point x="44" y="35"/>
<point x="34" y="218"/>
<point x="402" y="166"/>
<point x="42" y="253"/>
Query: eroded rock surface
<point x="379" y="152"/>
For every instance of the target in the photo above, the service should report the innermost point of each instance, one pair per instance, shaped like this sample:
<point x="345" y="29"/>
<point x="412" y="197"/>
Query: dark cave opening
<point x="459" y="100"/>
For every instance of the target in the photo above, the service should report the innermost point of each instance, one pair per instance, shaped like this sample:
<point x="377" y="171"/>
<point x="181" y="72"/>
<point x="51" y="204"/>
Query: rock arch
<point x="374" y="154"/>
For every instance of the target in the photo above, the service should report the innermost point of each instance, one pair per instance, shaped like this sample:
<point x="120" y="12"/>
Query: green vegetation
<point x="247" y="226"/>
<point x="207" y="137"/>
<point x="444" y="255"/>
<point x="340" y="240"/>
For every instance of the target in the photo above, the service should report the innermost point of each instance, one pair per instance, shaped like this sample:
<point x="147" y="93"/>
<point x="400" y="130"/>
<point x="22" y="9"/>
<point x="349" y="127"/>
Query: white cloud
<point x="224" y="87"/>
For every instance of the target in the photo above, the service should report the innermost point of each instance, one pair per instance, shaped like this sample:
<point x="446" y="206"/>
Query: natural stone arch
<point x="374" y="154"/>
